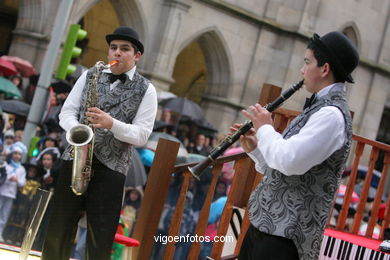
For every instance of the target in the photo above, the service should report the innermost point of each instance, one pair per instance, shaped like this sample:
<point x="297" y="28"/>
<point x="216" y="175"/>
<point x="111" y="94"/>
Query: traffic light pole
<point x="41" y="93"/>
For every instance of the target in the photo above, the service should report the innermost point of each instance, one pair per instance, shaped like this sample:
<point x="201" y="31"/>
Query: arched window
<point x="352" y="34"/>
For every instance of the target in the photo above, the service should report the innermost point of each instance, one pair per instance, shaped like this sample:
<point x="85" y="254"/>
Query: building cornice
<point x="272" y="25"/>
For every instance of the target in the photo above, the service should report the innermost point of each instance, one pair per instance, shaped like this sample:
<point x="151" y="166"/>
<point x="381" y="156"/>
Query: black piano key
<point x="363" y="251"/>
<point x="348" y="255"/>
<point x="327" y="246"/>
<point x="340" y="249"/>
<point x="381" y="256"/>
<point x="331" y="247"/>
<point x="359" y="249"/>
<point x="372" y="253"/>
<point x="346" y="245"/>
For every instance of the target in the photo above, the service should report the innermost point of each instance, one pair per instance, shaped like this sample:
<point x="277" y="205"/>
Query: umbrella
<point x="164" y="95"/>
<point x="14" y="106"/>
<point x="24" y="67"/>
<point x="160" y="125"/>
<point x="205" y="127"/>
<point x="184" y="107"/>
<point x="155" y="136"/>
<point x="9" y="88"/>
<point x="136" y="176"/>
<point x="7" y="68"/>
<point x="147" y="156"/>
<point x="227" y="168"/>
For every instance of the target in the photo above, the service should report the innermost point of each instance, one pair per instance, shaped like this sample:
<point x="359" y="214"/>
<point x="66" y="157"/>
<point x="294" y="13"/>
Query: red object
<point x="24" y="67"/>
<point x="7" y="67"/>
<point x="124" y="240"/>
<point x="382" y="209"/>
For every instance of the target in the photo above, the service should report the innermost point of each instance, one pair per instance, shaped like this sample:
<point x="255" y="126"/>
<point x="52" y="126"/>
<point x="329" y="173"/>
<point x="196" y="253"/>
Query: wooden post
<point x="269" y="93"/>
<point x="155" y="194"/>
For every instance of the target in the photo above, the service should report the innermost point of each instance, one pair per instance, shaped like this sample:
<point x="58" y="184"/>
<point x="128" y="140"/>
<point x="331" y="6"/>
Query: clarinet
<point x="197" y="170"/>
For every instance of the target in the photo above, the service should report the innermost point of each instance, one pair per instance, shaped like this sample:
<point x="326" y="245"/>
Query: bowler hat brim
<point x="137" y="43"/>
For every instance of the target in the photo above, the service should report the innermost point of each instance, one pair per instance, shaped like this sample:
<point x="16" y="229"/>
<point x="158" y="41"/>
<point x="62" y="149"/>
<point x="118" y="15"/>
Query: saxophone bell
<point x="81" y="137"/>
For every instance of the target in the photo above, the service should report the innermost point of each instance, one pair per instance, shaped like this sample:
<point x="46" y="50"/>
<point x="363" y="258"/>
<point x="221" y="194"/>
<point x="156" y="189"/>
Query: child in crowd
<point x="16" y="177"/>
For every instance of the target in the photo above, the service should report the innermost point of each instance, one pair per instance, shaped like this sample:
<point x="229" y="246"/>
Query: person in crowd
<point x="49" y="144"/>
<point x="61" y="91"/>
<point x="9" y="139"/>
<point x="17" y="80"/>
<point x="16" y="177"/>
<point x="30" y="89"/>
<point x="18" y="135"/>
<point x="20" y="214"/>
<point x="199" y="147"/>
<point x="48" y="170"/>
<point x="124" y="116"/>
<point x="289" y="209"/>
<point x="131" y="205"/>
<point x="220" y="190"/>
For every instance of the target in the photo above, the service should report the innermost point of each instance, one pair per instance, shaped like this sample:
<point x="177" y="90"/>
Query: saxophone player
<point x="124" y="116"/>
<point x="289" y="209"/>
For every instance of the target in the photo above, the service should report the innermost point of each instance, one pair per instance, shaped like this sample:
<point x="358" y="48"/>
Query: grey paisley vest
<point x="121" y="103"/>
<point x="297" y="207"/>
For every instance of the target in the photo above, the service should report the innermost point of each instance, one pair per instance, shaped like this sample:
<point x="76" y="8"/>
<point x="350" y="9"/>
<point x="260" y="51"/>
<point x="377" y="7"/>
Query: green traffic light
<point x="70" y="51"/>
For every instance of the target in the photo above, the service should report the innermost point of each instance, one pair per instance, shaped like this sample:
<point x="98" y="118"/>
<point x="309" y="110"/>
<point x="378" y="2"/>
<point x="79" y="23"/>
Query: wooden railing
<point x="361" y="143"/>
<point x="243" y="182"/>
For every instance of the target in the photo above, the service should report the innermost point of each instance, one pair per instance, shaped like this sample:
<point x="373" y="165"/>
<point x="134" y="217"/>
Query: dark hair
<point x="322" y="58"/>
<point x="136" y="50"/>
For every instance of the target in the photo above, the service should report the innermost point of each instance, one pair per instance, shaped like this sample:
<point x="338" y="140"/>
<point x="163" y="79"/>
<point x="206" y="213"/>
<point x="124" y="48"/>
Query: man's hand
<point x="259" y="116"/>
<point x="99" y="118"/>
<point x="248" y="140"/>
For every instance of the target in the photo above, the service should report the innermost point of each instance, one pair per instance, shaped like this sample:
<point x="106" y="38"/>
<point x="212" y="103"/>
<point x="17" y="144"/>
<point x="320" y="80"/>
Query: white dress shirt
<point x="136" y="133"/>
<point x="323" y="134"/>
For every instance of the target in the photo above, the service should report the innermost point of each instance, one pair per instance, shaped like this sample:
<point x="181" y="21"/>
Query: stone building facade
<point x="223" y="51"/>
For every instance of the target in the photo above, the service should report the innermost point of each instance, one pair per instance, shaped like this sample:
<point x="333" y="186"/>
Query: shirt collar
<point x="335" y="86"/>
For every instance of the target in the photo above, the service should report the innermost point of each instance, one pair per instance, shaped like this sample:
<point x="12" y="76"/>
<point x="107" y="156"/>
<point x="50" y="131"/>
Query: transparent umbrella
<point x="136" y="176"/>
<point x="155" y="136"/>
<point x="184" y="107"/>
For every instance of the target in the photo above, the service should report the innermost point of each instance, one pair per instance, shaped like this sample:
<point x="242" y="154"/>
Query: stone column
<point x="159" y="67"/>
<point x="32" y="33"/>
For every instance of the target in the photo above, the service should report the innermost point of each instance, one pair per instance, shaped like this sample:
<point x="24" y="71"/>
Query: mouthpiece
<point x="112" y="63"/>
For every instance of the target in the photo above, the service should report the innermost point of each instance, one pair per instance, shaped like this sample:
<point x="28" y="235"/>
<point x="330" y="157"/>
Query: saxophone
<point x="82" y="137"/>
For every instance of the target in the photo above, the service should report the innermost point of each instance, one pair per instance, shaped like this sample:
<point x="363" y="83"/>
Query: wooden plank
<point x="364" y="194"/>
<point x="378" y="199"/>
<point x="342" y="219"/>
<point x="226" y="216"/>
<point x="174" y="228"/>
<point x="269" y="93"/>
<point x="156" y="191"/>
<point x="204" y="213"/>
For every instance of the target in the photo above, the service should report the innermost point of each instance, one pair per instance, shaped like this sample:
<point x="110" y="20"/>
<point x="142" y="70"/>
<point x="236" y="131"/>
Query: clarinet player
<point x="124" y="116"/>
<point x="289" y="209"/>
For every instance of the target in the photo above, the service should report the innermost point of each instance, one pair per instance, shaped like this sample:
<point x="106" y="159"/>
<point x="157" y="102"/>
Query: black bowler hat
<point x="127" y="34"/>
<point x="340" y="52"/>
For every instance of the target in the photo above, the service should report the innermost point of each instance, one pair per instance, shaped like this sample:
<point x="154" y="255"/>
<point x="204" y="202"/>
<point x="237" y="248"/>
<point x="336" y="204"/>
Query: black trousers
<point x="102" y="203"/>
<point x="261" y="246"/>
